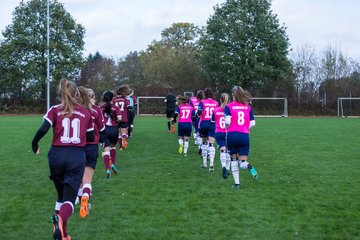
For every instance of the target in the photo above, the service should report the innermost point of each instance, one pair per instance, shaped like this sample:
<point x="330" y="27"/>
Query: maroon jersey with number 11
<point x="69" y="131"/>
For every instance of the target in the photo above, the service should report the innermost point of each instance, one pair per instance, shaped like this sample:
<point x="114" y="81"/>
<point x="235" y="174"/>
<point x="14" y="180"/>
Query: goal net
<point x="150" y="105"/>
<point x="348" y="107"/>
<point x="270" y="107"/>
<point x="263" y="107"/>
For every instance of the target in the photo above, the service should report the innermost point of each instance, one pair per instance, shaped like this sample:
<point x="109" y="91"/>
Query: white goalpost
<point x="348" y="107"/>
<point x="263" y="107"/>
<point x="270" y="107"/>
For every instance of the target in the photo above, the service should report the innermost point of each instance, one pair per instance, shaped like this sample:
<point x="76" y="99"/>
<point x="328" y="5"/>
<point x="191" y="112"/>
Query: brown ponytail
<point x="68" y="91"/>
<point x="240" y="95"/>
<point x="84" y="97"/>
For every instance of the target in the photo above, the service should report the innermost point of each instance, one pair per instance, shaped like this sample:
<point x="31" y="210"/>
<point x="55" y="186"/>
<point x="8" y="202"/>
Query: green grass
<point x="309" y="186"/>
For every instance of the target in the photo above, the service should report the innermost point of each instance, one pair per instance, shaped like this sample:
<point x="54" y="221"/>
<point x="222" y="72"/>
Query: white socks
<point x="244" y="165"/>
<point x="223" y="159"/>
<point x="186" y="146"/>
<point x="235" y="171"/>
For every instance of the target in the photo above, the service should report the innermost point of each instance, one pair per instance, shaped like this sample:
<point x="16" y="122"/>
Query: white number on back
<point x="241" y="118"/>
<point x="75" y="126"/>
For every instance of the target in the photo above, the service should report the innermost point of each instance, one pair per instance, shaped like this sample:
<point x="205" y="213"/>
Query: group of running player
<point x="228" y="123"/>
<point x="79" y="125"/>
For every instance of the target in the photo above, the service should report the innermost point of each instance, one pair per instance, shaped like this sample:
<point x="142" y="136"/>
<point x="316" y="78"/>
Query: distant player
<point x="186" y="115"/>
<point x="207" y="128"/>
<point x="194" y="101"/>
<point x="131" y="111"/>
<point x="72" y="129"/>
<point x="123" y="104"/>
<point x="239" y="118"/>
<point x="220" y="134"/>
<point x="112" y="116"/>
<point x="87" y="98"/>
<point x="170" y="101"/>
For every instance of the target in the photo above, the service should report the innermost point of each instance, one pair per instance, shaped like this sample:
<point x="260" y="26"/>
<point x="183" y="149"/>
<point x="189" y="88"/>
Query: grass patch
<point x="308" y="186"/>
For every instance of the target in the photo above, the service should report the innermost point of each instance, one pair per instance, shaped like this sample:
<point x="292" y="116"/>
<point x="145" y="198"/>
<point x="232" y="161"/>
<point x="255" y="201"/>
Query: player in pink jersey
<point x="220" y="134"/>
<point x="72" y="129"/>
<point x="123" y="104"/>
<point x="207" y="128"/>
<point x="194" y="101"/>
<point x="239" y="118"/>
<point x="112" y="116"/>
<point x="186" y="115"/>
<point x="87" y="98"/>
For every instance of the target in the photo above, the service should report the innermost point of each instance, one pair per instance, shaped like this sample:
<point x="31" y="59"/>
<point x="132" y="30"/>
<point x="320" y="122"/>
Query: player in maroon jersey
<point x="123" y="104"/>
<point x="72" y="128"/>
<point x="112" y="116"/>
<point x="87" y="98"/>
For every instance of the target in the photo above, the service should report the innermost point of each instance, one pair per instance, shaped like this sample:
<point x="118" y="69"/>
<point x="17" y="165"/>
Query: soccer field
<point x="308" y="186"/>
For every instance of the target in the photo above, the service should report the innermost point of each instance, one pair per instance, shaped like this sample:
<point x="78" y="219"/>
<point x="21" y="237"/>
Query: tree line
<point x="243" y="44"/>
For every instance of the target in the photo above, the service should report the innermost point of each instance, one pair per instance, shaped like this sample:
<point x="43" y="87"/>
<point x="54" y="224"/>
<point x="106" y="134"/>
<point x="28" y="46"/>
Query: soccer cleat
<point x="173" y="129"/>
<point x="203" y="165"/>
<point x="58" y="233"/>
<point x="108" y="174"/>
<point x="84" y="208"/>
<point x="185" y="154"/>
<point x="114" y="169"/>
<point x="224" y="173"/>
<point x="236" y="186"/>
<point x="211" y="168"/>
<point x="181" y="148"/>
<point x="253" y="173"/>
<point x="124" y="143"/>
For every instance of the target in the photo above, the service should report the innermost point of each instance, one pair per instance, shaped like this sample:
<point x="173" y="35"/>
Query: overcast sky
<point x="116" y="27"/>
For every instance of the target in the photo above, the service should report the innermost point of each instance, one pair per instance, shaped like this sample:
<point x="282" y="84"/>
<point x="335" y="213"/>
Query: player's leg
<point x="173" y="129"/>
<point x="169" y="120"/>
<point x="124" y="134"/>
<point x="181" y="144"/>
<point x="204" y="150"/>
<point x="187" y="135"/>
<point x="106" y="159"/>
<point x="211" y="150"/>
<point x="243" y="155"/>
<point x="113" y="165"/>
<point x="231" y="143"/>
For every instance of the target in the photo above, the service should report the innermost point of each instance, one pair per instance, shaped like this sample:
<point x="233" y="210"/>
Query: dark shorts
<point x="131" y="117"/>
<point x="207" y="129"/>
<point x="111" y="136"/>
<point x="170" y="113"/>
<point x="123" y="124"/>
<point x="196" y="125"/>
<point x="238" y="143"/>
<point x="220" y="139"/>
<point x="67" y="165"/>
<point x="184" y="129"/>
<point x="92" y="154"/>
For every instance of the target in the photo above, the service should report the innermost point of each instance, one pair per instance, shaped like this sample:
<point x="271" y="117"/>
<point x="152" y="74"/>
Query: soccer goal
<point x="147" y="105"/>
<point x="348" y="107"/>
<point x="270" y="107"/>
